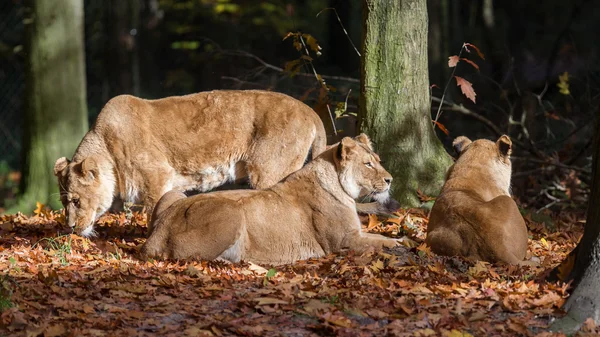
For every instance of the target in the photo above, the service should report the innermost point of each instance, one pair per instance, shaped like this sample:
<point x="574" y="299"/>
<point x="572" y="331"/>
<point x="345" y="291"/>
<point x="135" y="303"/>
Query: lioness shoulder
<point x="309" y="214"/>
<point x="474" y="215"/>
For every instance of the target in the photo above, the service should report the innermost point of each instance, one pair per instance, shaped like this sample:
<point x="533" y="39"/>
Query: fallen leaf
<point x="269" y="300"/>
<point x="55" y="330"/>
<point x="315" y="306"/>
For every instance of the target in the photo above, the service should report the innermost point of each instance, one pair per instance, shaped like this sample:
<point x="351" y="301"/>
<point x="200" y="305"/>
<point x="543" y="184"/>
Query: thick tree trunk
<point x="394" y="101"/>
<point x="584" y="301"/>
<point x="55" y="101"/>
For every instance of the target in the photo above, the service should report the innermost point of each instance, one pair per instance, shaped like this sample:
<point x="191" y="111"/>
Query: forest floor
<point x="54" y="284"/>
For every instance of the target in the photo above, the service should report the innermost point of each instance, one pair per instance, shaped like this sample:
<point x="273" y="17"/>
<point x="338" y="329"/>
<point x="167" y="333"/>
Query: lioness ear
<point x="345" y="147"/>
<point x="460" y="144"/>
<point x="60" y="165"/>
<point x="362" y="138"/>
<point x="504" y="145"/>
<point x="89" y="168"/>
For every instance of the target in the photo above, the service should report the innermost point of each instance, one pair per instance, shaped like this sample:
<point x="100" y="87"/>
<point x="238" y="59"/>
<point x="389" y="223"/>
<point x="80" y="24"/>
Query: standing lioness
<point x="139" y="149"/>
<point x="309" y="214"/>
<point x="474" y="215"/>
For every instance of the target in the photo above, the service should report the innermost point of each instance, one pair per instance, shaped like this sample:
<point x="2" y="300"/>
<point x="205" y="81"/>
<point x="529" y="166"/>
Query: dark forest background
<point x="539" y="82"/>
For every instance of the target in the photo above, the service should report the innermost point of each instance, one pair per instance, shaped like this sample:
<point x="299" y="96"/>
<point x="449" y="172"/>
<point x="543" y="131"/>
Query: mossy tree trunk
<point x="394" y="101"/>
<point x="584" y="301"/>
<point x="55" y="100"/>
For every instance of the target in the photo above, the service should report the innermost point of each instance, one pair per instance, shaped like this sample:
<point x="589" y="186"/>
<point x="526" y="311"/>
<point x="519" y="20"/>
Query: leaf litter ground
<point x="57" y="284"/>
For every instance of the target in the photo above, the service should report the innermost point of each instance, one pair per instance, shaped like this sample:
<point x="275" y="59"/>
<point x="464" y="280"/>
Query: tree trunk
<point x="584" y="301"/>
<point x="394" y="100"/>
<point x="55" y="100"/>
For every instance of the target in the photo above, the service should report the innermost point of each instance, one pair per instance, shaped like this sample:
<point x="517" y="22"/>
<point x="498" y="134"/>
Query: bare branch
<point x="344" y="29"/>
<point x="465" y="111"/>
<point x="281" y="70"/>
<point x="550" y="163"/>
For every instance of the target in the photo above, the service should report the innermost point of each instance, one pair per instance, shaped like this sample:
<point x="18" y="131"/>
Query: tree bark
<point x="584" y="301"/>
<point x="55" y="99"/>
<point x="394" y="100"/>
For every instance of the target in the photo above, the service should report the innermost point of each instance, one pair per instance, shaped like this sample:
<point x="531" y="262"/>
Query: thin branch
<point x="549" y="163"/>
<point x="466" y="111"/>
<point x="437" y="115"/>
<point x="281" y="70"/>
<point x="312" y="66"/>
<point x="241" y="82"/>
<point x="485" y="121"/>
<point x="345" y="32"/>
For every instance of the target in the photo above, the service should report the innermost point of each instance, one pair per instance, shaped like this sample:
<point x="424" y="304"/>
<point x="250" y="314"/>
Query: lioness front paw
<point x="391" y="243"/>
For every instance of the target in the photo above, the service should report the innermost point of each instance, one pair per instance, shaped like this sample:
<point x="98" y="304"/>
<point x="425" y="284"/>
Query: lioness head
<point x="82" y="193"/>
<point x="484" y="154"/>
<point x="360" y="169"/>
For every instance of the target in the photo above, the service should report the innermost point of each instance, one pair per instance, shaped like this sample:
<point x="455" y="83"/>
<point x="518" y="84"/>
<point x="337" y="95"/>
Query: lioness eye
<point x="369" y="165"/>
<point x="75" y="202"/>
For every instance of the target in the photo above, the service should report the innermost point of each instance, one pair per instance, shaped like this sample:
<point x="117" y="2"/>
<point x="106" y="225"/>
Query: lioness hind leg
<point x="156" y="244"/>
<point x="209" y="243"/>
<point x="163" y="203"/>
<point x="212" y="228"/>
<point x="275" y="158"/>
<point x="444" y="242"/>
<point x="361" y="242"/>
<point x="266" y="175"/>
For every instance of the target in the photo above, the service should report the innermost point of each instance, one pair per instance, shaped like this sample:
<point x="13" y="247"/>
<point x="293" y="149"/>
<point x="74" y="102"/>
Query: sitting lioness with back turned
<point x="309" y="214"/>
<point x="474" y="215"/>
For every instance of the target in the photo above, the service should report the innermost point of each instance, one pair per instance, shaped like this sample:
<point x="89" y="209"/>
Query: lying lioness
<point x="474" y="215"/>
<point x="309" y="214"/>
<point x="140" y="149"/>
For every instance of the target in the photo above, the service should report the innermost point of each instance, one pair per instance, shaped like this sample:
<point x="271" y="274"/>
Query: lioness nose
<point x="388" y="180"/>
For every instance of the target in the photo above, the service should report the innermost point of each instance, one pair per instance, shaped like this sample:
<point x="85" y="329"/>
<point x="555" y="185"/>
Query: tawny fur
<point x="309" y="214"/>
<point x="139" y="149"/>
<point x="474" y="215"/>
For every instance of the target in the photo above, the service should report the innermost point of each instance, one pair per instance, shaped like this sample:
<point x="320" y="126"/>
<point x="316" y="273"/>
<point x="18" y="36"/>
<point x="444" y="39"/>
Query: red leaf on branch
<point x="442" y="127"/>
<point x="453" y="61"/>
<point x="466" y="45"/>
<point x="466" y="87"/>
<point x="471" y="63"/>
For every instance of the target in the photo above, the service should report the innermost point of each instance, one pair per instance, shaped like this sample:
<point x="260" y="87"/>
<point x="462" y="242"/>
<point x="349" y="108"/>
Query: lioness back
<point x="139" y="149"/>
<point x="474" y="215"/>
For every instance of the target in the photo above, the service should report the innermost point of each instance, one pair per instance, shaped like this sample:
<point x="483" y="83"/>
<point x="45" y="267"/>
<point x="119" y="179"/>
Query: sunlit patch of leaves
<point x="60" y="246"/>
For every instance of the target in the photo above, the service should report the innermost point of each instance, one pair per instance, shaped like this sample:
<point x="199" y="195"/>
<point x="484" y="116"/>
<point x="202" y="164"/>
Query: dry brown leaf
<point x="466" y="87"/>
<point x="453" y="61"/>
